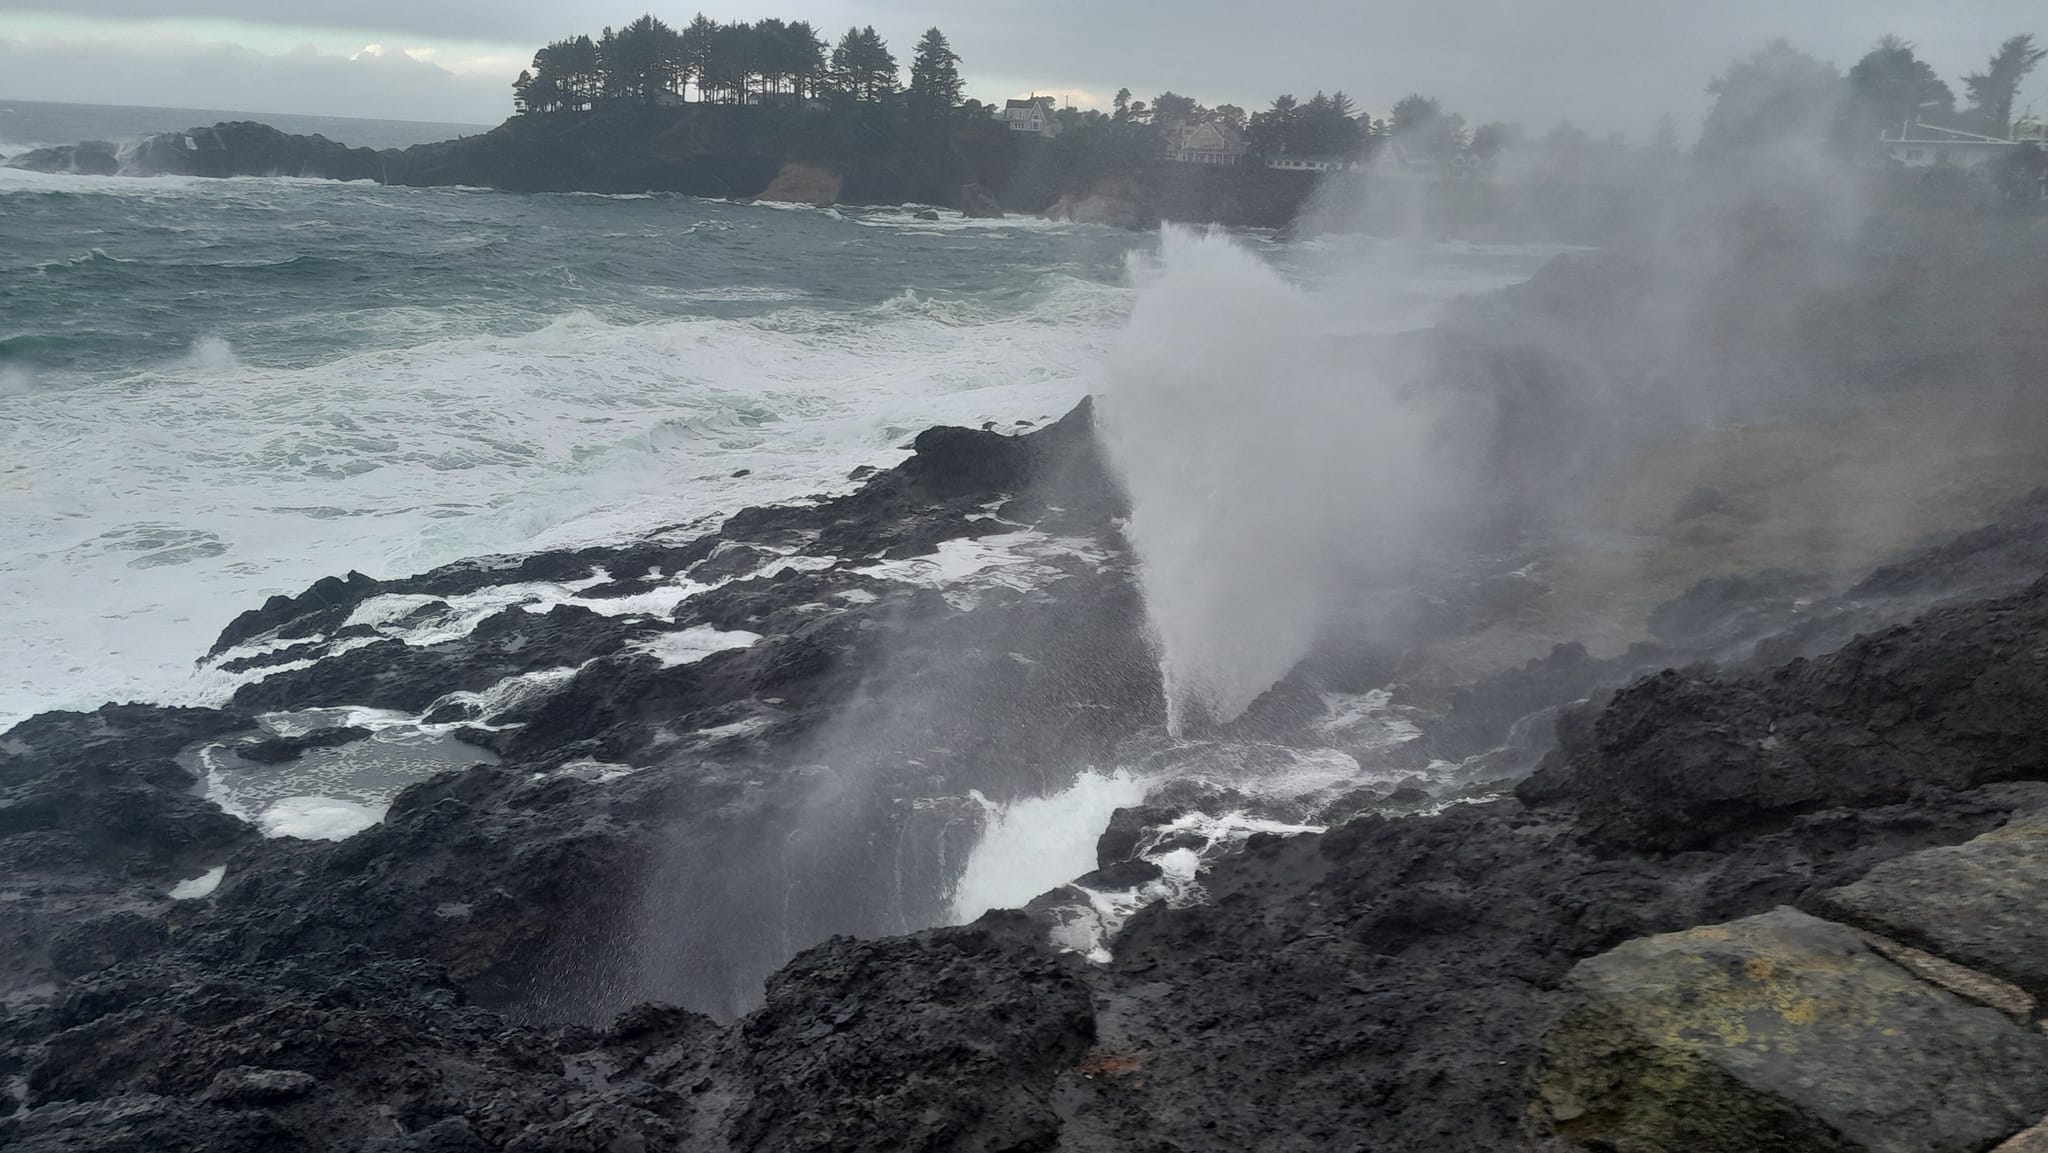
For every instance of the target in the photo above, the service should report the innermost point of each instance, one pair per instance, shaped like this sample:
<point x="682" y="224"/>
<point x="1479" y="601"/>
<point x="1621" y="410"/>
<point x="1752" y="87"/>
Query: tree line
<point x="1780" y="93"/>
<point x="1776" y="94"/>
<point x="768" y="60"/>
<point x="1325" y="126"/>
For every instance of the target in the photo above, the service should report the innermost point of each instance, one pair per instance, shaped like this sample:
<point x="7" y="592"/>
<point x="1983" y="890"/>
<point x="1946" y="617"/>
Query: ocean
<point x="215" y="391"/>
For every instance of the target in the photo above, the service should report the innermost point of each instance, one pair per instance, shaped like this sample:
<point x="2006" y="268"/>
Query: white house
<point x="1208" y="143"/>
<point x="1034" y="115"/>
<point x="1925" y="146"/>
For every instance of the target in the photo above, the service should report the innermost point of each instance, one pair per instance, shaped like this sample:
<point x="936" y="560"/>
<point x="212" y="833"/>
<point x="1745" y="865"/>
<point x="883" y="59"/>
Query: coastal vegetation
<point x="767" y="61"/>
<point x="775" y="108"/>
<point x="844" y="103"/>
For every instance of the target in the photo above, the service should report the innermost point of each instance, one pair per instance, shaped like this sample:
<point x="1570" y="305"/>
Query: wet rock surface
<point x="1680" y="759"/>
<point x="230" y="148"/>
<point x="1780" y="1031"/>
<point x="1978" y="904"/>
<point x="700" y="752"/>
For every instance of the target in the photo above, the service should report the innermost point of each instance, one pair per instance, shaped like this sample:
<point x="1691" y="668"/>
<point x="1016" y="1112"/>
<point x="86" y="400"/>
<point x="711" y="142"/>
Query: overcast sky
<point x="1603" y="64"/>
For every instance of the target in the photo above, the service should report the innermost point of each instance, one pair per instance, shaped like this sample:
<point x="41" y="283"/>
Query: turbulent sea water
<point x="213" y="391"/>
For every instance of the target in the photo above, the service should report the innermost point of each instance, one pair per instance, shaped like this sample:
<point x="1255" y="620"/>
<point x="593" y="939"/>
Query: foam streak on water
<point x="211" y="392"/>
<point x="214" y="391"/>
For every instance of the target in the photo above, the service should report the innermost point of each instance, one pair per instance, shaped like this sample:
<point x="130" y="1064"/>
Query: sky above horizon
<point x="1606" y="65"/>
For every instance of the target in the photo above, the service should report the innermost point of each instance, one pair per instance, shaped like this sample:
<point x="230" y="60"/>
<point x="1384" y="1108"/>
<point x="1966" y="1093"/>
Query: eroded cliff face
<point x="720" y="151"/>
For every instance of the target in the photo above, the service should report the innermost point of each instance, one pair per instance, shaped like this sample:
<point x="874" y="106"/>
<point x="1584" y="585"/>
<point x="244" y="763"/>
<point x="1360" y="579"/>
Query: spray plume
<point x="1268" y="469"/>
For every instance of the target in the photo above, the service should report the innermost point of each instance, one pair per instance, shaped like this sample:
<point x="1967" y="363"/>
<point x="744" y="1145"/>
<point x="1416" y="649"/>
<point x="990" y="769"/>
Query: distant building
<point x="1206" y="143"/>
<point x="1287" y="162"/>
<point x="1925" y="146"/>
<point x="1034" y="115"/>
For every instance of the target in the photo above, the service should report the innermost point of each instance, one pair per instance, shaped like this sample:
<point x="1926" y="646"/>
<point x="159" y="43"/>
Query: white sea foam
<point x="396" y="460"/>
<point x="503" y="696"/>
<point x="202" y="885"/>
<point x="1036" y="844"/>
<point x="1040" y="843"/>
<point x="318" y="818"/>
<point x="453" y="431"/>
<point x="1019" y="561"/>
<point x="688" y="646"/>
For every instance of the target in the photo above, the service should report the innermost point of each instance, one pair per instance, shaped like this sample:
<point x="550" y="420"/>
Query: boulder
<point x="979" y="203"/>
<point x="92" y="158"/>
<point x="948" y="1039"/>
<point x="1104" y="208"/>
<point x="2034" y="1140"/>
<point x="1983" y="904"/>
<point x="279" y="750"/>
<point x="1686" y="758"/>
<point x="1783" y="1032"/>
<point x="800" y="183"/>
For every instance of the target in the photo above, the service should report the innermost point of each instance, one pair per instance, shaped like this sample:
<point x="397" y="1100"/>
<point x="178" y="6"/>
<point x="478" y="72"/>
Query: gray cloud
<point x="1605" y="64"/>
<point x="198" y="75"/>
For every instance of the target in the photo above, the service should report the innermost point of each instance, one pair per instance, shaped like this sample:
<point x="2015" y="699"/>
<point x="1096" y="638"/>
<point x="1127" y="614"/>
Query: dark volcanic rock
<point x="949" y="1039"/>
<point x="1720" y="612"/>
<point x="323" y="606"/>
<point x="1485" y="715"/>
<point x="278" y="750"/>
<point x="234" y="148"/>
<point x="817" y="768"/>
<point x="91" y="158"/>
<point x="1949" y="701"/>
<point x="676" y="823"/>
<point x="97" y="819"/>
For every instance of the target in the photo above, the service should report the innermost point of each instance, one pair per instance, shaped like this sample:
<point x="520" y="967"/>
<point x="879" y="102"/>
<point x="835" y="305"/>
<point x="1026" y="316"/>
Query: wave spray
<point x="1275" y="476"/>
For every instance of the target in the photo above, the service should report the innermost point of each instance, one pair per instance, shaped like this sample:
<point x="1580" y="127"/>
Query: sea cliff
<point x="734" y="152"/>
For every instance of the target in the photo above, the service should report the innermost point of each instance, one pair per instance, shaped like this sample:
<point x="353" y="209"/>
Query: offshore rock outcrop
<point x="734" y="152"/>
<point x="232" y="148"/>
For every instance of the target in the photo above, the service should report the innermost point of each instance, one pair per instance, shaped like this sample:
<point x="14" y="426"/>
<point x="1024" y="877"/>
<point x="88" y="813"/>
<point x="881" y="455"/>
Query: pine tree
<point x="1992" y="90"/>
<point x="935" y="74"/>
<point x="696" y="48"/>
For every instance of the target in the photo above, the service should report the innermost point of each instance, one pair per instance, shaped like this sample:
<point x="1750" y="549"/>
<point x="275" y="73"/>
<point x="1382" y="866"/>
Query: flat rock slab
<point x="1983" y="903"/>
<point x="2034" y="1140"/>
<point x="1779" y="1032"/>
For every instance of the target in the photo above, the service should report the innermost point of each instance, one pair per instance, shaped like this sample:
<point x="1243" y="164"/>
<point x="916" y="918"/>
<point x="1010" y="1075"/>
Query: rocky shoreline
<point x="640" y="847"/>
<point x="696" y="152"/>
<point x="459" y="975"/>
